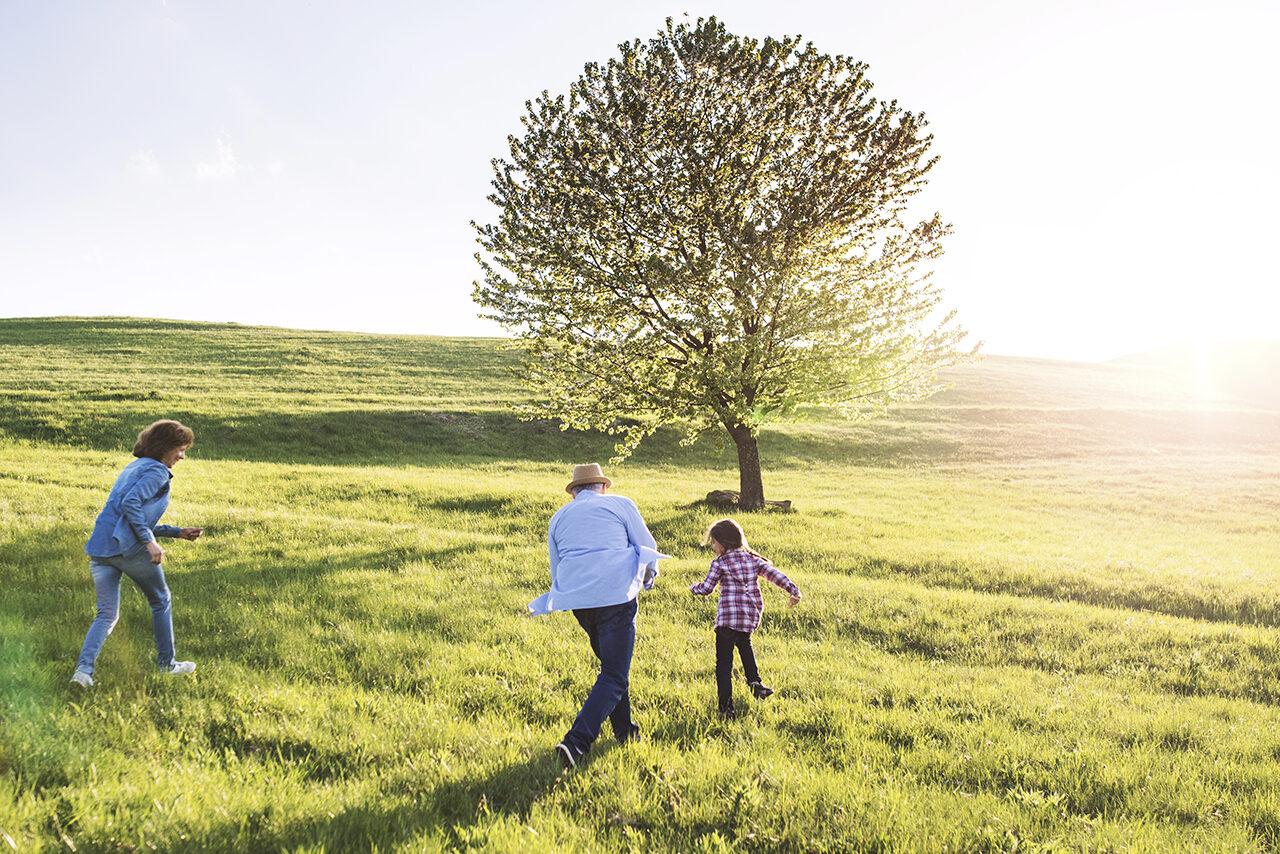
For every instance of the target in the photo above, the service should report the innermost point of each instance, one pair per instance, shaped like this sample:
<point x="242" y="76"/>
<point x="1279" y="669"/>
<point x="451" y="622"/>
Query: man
<point x="602" y="556"/>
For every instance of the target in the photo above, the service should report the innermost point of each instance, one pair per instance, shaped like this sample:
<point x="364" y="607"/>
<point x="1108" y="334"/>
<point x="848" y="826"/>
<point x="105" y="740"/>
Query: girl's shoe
<point x="84" y="680"/>
<point x="761" y="690"/>
<point x="180" y="668"/>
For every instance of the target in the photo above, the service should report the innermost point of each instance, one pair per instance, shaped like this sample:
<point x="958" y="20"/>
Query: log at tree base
<point x="729" y="498"/>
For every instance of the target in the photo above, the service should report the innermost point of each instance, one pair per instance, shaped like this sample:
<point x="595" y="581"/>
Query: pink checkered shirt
<point x="736" y="572"/>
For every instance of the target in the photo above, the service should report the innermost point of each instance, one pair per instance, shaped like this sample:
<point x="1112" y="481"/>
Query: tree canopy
<point x="709" y="230"/>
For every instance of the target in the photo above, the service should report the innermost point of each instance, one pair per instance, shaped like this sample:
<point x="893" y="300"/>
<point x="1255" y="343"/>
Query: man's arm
<point x="553" y="552"/>
<point x="637" y="531"/>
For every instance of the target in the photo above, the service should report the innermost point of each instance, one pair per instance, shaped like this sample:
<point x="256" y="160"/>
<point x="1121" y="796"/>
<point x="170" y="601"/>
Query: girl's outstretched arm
<point x="776" y="575"/>
<point x="706" y="585"/>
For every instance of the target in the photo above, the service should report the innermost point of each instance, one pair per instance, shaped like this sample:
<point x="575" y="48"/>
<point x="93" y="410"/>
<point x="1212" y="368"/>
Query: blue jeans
<point x="612" y="630"/>
<point x="106" y="580"/>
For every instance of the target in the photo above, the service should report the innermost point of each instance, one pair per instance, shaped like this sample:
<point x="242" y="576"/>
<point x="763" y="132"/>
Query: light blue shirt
<point x="137" y="501"/>
<point x="601" y="554"/>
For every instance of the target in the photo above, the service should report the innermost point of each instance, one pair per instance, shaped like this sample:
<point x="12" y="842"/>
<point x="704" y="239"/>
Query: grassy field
<point x="1042" y="612"/>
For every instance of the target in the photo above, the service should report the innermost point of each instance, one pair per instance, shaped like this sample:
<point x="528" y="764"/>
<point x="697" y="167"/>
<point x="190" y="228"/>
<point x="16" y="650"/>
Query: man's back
<point x="595" y="524"/>
<point x="598" y="546"/>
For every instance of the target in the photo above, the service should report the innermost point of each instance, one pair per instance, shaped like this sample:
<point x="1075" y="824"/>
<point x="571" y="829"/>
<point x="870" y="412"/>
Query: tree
<point x="709" y="230"/>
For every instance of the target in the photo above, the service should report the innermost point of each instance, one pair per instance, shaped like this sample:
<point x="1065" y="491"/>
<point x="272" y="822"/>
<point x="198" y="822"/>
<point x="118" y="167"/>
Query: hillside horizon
<point x="261" y="393"/>
<point x="1179" y="352"/>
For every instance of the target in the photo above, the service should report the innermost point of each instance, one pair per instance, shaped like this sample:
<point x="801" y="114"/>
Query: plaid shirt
<point x="740" y="603"/>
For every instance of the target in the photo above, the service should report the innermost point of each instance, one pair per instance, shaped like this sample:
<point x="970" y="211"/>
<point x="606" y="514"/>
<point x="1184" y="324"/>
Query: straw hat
<point x="589" y="473"/>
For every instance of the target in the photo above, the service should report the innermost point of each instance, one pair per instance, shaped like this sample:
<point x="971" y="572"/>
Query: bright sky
<point x="1108" y="165"/>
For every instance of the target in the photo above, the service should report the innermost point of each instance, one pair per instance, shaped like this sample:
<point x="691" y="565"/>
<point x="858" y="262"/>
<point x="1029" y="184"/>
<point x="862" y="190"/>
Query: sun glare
<point x="1240" y="369"/>
<point x="1205" y="366"/>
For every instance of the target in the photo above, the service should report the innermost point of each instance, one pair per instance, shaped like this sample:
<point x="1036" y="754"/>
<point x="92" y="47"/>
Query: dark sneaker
<point x="566" y="756"/>
<point x="728" y="713"/>
<point x="761" y="690"/>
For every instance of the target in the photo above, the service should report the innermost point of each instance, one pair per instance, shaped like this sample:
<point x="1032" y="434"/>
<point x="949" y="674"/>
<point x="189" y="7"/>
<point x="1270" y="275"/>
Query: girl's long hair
<point x="729" y="534"/>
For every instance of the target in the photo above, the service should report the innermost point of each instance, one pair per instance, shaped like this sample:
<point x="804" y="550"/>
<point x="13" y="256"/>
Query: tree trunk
<point x="750" y="485"/>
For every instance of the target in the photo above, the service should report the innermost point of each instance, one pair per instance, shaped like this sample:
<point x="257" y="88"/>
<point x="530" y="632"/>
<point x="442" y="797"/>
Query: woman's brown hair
<point x="161" y="438"/>
<point x="729" y="534"/>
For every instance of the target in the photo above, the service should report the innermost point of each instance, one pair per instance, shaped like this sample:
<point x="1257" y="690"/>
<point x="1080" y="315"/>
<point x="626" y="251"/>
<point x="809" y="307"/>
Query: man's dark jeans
<point x="612" y="630"/>
<point x="726" y="640"/>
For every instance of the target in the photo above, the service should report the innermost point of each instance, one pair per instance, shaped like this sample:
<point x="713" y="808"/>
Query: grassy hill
<point x="292" y="396"/>
<point x="1041" y="611"/>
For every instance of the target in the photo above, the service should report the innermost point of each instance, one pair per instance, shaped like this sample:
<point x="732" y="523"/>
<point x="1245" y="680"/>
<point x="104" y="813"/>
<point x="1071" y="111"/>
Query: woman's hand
<point x="157" y="553"/>
<point x="190" y="533"/>
<point x="795" y="600"/>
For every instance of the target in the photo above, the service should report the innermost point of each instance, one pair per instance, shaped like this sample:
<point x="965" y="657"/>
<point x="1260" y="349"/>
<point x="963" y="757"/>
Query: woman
<point x="124" y="543"/>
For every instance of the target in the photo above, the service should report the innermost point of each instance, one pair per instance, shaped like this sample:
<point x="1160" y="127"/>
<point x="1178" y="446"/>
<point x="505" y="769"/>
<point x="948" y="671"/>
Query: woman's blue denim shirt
<point x="136" y="503"/>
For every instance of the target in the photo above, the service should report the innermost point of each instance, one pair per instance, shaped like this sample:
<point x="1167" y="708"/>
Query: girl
<point x="736" y="568"/>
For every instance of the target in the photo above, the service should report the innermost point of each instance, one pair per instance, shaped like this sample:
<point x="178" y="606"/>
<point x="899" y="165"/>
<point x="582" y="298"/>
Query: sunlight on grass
<point x="1041" y="612"/>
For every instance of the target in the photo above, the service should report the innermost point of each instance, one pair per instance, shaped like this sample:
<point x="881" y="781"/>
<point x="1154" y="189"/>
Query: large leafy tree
<point x="709" y="230"/>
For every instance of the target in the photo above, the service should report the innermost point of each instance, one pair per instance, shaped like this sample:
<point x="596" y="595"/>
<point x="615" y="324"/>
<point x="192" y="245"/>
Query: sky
<point x="1108" y="167"/>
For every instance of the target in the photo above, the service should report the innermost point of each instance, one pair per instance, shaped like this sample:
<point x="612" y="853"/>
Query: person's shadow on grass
<point x="511" y="790"/>
<point x="448" y="810"/>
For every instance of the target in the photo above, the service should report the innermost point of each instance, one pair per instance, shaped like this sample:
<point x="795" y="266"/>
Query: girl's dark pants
<point x="726" y="640"/>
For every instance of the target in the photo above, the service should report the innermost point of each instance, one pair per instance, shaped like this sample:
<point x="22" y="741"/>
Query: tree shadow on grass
<point x="424" y="437"/>
<point x="481" y="505"/>
<point x="1153" y="597"/>
<point x="272" y="570"/>
<point x="342" y="437"/>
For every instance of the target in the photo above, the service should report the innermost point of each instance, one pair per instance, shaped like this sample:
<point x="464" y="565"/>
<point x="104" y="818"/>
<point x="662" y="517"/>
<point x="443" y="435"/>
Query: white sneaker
<point x="84" y="680"/>
<point x="568" y="759"/>
<point x="180" y="668"/>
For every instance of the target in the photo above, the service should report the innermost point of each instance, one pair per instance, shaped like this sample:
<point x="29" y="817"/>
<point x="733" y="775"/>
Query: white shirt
<point x="600" y="550"/>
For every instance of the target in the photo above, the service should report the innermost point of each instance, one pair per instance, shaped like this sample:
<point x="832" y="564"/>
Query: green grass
<point x="1042" y="613"/>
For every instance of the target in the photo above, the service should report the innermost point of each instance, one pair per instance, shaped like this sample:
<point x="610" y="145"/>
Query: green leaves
<point x="707" y="229"/>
